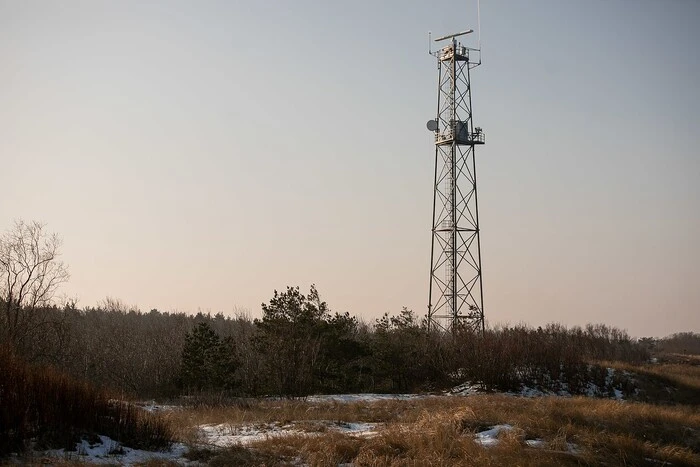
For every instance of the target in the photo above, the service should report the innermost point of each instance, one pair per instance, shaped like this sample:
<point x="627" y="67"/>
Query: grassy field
<point x="442" y="430"/>
<point x="657" y="424"/>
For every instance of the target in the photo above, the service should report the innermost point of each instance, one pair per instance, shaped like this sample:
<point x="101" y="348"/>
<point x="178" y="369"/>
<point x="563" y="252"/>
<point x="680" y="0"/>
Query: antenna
<point x="450" y="36"/>
<point x="478" y="23"/>
<point x="430" y="46"/>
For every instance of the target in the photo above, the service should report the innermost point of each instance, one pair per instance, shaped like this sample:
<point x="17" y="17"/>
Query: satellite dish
<point x="432" y="125"/>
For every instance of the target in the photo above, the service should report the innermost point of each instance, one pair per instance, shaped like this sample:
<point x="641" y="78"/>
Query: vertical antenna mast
<point x="478" y="26"/>
<point x="455" y="297"/>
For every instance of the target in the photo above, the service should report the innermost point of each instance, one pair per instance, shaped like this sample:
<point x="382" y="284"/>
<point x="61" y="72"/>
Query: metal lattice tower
<point x="456" y="296"/>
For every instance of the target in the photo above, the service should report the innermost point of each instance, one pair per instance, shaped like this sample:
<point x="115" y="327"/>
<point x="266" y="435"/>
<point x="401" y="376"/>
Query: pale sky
<point x="199" y="155"/>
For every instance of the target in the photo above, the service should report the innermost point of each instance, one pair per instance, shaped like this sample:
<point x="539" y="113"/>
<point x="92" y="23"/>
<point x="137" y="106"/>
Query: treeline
<point x="682" y="343"/>
<point x="300" y="347"/>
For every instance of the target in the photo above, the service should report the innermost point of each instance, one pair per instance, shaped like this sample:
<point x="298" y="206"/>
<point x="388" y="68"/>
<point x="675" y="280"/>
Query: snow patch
<point x="489" y="437"/>
<point x="226" y="434"/>
<point x="466" y="389"/>
<point x="151" y="406"/>
<point x="364" y="397"/>
<point x="535" y="443"/>
<point x="108" y="451"/>
<point x="526" y="391"/>
<point x="363" y="429"/>
<point x="610" y="387"/>
<point x="573" y="448"/>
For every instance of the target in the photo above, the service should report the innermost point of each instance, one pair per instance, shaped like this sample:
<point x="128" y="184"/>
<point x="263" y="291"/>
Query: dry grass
<point x="45" y="407"/>
<point x="262" y="411"/>
<point x="673" y="380"/>
<point x="439" y="431"/>
<point x="687" y="359"/>
<point x="677" y="372"/>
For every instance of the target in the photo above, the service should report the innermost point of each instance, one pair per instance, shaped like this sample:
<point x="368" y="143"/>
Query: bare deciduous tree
<point x="30" y="274"/>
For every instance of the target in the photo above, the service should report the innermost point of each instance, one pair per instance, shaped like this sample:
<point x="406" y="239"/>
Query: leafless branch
<point x="30" y="274"/>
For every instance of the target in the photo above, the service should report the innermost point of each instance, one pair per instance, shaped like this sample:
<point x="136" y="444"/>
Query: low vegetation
<point x="664" y="382"/>
<point x="441" y="431"/>
<point x="646" y="428"/>
<point x="300" y="347"/>
<point x="684" y="343"/>
<point x="46" y="408"/>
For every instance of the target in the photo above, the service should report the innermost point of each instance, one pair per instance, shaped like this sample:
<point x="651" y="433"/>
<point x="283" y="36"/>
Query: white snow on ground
<point x="489" y="438"/>
<point x="591" y="390"/>
<point x="357" y="429"/>
<point x="469" y="389"/>
<point x="226" y="434"/>
<point x="151" y="406"/>
<point x="364" y="397"/>
<point x="526" y="391"/>
<point x="535" y="443"/>
<point x="573" y="448"/>
<point x="108" y="451"/>
<point x="466" y="389"/>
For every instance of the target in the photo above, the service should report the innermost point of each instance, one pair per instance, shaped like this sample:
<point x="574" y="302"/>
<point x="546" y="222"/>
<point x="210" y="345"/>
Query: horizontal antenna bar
<point x="450" y="36"/>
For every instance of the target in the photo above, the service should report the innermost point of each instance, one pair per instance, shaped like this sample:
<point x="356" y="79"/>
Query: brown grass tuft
<point x="55" y="411"/>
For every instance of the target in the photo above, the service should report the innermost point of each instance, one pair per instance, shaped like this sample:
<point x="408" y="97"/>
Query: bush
<point x="56" y="410"/>
<point x="552" y="358"/>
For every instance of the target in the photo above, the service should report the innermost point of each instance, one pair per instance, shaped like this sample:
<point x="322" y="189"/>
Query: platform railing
<point x="471" y="138"/>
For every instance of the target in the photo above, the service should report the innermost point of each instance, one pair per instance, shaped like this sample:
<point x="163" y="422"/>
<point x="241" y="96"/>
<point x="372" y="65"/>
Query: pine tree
<point x="290" y="336"/>
<point x="207" y="360"/>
